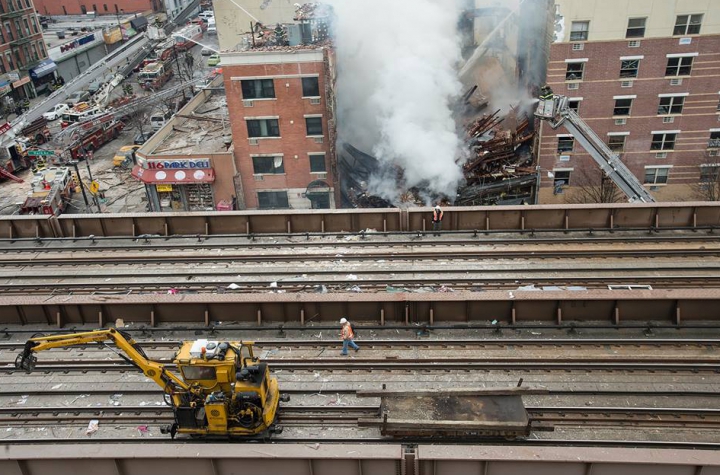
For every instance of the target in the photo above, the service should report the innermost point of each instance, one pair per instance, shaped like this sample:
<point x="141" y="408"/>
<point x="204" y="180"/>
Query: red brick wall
<point x="73" y="7"/>
<point x="293" y="143"/>
<point x="602" y="81"/>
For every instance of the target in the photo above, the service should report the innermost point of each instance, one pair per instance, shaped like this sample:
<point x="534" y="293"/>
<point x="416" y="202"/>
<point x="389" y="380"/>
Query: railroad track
<point x="692" y="365"/>
<point x="462" y="343"/>
<point x="666" y="418"/>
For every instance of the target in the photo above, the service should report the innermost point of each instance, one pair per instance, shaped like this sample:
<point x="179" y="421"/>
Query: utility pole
<point x="84" y="153"/>
<point x="74" y="163"/>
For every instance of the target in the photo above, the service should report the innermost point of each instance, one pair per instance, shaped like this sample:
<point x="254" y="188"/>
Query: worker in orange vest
<point x="348" y="335"/>
<point x="437" y="219"/>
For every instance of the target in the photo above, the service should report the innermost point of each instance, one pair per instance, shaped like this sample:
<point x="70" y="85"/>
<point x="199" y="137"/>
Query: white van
<point x="207" y="14"/>
<point x="158" y="120"/>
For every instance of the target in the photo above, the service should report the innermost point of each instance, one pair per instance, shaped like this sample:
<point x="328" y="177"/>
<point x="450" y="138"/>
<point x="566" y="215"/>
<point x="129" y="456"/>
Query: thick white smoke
<point x="397" y="80"/>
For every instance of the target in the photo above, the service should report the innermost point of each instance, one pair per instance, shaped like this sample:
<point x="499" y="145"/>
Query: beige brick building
<point x="645" y="75"/>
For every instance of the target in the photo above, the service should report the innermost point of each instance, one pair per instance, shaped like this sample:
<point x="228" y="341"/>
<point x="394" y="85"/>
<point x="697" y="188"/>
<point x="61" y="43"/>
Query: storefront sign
<point x="164" y="188"/>
<point x="21" y="82"/>
<point x="4" y="128"/>
<point x="189" y="163"/>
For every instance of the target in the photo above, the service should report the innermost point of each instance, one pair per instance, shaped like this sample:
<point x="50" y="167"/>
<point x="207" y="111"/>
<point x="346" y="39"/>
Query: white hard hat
<point x="437" y="206"/>
<point x="343" y="320"/>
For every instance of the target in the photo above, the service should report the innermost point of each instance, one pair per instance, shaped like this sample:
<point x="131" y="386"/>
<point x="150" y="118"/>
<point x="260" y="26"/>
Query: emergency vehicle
<point x="51" y="189"/>
<point x="183" y="37"/>
<point x="155" y="75"/>
<point x="78" y="113"/>
<point x="95" y="134"/>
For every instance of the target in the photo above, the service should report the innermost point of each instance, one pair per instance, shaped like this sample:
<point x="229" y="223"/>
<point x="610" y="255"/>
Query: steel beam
<point x="616" y="307"/>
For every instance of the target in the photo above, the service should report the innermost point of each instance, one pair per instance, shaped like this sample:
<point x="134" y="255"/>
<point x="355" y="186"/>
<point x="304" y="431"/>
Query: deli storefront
<point x="183" y="184"/>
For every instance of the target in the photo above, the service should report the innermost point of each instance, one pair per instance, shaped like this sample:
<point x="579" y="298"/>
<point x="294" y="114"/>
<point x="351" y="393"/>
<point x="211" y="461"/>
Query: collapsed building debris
<point x="356" y="168"/>
<point x="500" y="168"/>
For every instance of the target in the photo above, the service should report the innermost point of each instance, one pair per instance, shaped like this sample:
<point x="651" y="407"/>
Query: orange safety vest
<point x="437" y="217"/>
<point x="347" y="333"/>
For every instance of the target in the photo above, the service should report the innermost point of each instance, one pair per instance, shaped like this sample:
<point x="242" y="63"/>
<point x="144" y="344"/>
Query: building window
<point x="635" y="28"/>
<point x="317" y="163"/>
<point x="714" y="140"/>
<point x="562" y="178"/>
<point x="273" y="200"/>
<point x="268" y="165"/>
<point x="311" y="87"/>
<point x="27" y="3"/>
<point x="105" y="7"/>
<point x="579" y="30"/>
<point x="258" y="89"/>
<point x="687" y="25"/>
<point x="656" y="175"/>
<point x="95" y="8"/>
<point x="679" y="66"/>
<point x="575" y="71"/>
<point x="709" y="173"/>
<point x="616" y="142"/>
<point x="671" y="105"/>
<point x="629" y="68"/>
<point x="83" y="9"/>
<point x="574" y="105"/>
<point x="565" y="144"/>
<point x="663" y="141"/>
<point x="314" y="126"/>
<point x="263" y="128"/>
<point x="622" y="107"/>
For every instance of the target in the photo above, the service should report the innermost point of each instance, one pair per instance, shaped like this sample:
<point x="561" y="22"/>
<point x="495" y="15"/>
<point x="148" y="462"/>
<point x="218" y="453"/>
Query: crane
<point x="223" y="389"/>
<point x="554" y="109"/>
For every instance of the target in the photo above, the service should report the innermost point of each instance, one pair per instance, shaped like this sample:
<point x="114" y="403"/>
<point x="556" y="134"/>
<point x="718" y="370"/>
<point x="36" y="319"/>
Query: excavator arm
<point x="133" y="353"/>
<point x="555" y="109"/>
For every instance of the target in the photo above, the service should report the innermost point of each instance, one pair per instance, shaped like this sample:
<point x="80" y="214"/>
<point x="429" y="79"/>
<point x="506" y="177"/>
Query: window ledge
<point x="655" y="184"/>
<point x="314" y="136"/>
<point x="621" y="117"/>
<point x="263" y="138"/>
<point x="312" y="97"/>
<point x="262" y="99"/>
<point x="573" y="80"/>
<point x="677" y="77"/>
<point x="269" y="174"/>
<point x="318" y="173"/>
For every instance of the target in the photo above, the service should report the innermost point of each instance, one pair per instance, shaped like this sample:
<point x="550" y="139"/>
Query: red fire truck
<point x="51" y="189"/>
<point x="185" y="38"/>
<point x="95" y="134"/>
<point x="155" y="75"/>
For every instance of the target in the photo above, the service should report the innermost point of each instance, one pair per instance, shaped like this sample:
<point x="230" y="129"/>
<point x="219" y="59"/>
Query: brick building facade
<point x="104" y="7"/>
<point x="646" y="78"/>
<point x="21" y="48"/>
<point x="281" y="112"/>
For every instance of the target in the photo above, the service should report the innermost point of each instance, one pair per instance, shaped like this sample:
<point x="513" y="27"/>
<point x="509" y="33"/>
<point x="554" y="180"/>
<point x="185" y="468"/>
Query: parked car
<point x="158" y="120"/>
<point x="140" y="139"/>
<point x="206" y="52"/>
<point x="56" y="112"/>
<point x="212" y="29"/>
<point x="76" y="97"/>
<point x="214" y="60"/>
<point x="205" y="14"/>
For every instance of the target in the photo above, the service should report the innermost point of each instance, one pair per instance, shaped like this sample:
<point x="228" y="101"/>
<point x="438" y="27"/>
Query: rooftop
<point x="202" y="130"/>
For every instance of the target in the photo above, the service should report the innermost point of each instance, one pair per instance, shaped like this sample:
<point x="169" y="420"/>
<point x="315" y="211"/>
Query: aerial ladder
<point x="222" y="389"/>
<point x="554" y="109"/>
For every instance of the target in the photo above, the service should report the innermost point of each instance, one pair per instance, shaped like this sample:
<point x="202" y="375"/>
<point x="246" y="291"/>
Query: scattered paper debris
<point x="23" y="400"/>
<point x="351" y="277"/>
<point x="273" y="285"/>
<point x="92" y="427"/>
<point x="115" y="399"/>
<point x="233" y="286"/>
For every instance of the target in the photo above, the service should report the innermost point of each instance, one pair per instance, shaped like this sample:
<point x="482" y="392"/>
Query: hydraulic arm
<point x="123" y="341"/>
<point x="554" y="109"/>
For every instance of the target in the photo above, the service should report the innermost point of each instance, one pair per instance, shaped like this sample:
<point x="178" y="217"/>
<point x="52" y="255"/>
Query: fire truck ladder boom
<point x="555" y="110"/>
<point x="128" y="108"/>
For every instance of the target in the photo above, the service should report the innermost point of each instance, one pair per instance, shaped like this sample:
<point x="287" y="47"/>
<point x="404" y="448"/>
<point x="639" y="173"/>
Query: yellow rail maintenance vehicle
<point x="223" y="390"/>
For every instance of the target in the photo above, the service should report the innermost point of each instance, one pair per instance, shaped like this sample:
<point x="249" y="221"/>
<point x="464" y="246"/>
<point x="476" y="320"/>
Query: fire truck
<point x="13" y="152"/>
<point x="51" y="189"/>
<point x="93" y="135"/>
<point x="155" y="75"/>
<point x="183" y="37"/>
<point x="78" y="113"/>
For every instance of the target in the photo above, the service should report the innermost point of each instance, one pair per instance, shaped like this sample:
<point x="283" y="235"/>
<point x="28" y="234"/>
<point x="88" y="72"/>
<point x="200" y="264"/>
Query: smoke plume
<point x="397" y="80"/>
